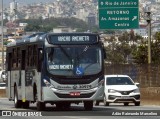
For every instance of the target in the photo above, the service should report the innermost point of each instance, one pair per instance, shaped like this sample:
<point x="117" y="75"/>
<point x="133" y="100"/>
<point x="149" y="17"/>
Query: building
<point x="1" y="58"/>
<point x="142" y="31"/>
<point x="91" y="20"/>
<point x="4" y="30"/>
<point x="13" y="7"/>
<point x="62" y="29"/>
<point x="157" y="1"/>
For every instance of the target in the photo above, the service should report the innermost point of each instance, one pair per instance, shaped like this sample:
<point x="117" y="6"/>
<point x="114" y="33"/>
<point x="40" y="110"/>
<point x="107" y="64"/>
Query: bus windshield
<point x="74" y="61"/>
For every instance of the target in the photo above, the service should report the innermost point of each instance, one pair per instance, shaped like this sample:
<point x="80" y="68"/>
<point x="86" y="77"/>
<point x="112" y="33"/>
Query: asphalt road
<point x="114" y="111"/>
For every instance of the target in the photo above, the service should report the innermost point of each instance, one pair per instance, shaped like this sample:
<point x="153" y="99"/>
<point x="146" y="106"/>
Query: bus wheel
<point x="35" y="93"/>
<point x="137" y="103"/>
<point x="17" y="103"/>
<point x="26" y="104"/>
<point x="88" y="105"/>
<point x="105" y="102"/>
<point x="40" y="106"/>
<point x="97" y="103"/>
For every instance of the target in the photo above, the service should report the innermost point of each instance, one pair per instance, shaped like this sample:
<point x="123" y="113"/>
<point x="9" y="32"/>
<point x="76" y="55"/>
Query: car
<point x="2" y="75"/>
<point x="120" y="89"/>
<point x="2" y="85"/>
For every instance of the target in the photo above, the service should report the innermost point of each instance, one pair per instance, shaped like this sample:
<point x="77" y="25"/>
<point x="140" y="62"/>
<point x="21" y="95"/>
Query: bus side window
<point x="9" y="57"/>
<point x="23" y="62"/>
<point x="40" y="59"/>
<point x="14" y="60"/>
<point x="35" y="55"/>
<point x="14" y="63"/>
<point x="19" y="63"/>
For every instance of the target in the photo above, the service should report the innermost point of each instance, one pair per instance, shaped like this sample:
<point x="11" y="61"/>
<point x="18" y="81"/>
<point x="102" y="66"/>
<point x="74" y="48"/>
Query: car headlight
<point x="111" y="91"/>
<point x="136" y="91"/>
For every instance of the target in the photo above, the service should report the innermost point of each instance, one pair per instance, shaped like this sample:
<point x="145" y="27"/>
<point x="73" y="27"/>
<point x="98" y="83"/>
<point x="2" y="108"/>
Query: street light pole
<point x="149" y="36"/>
<point x="2" y="36"/>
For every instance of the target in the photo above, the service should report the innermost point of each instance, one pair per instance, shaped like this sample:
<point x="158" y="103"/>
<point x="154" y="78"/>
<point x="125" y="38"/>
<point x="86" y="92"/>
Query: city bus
<point x="55" y="68"/>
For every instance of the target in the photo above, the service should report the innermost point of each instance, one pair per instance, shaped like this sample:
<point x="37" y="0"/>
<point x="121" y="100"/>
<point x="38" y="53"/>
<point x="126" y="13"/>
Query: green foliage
<point x="48" y="24"/>
<point x="126" y="49"/>
<point x="124" y="37"/>
<point x="109" y="31"/>
<point x="117" y="53"/>
<point x="141" y="54"/>
<point x="157" y="37"/>
<point x="6" y="42"/>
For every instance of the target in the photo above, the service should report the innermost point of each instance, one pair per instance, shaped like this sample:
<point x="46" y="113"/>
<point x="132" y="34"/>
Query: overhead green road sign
<point x="118" y="14"/>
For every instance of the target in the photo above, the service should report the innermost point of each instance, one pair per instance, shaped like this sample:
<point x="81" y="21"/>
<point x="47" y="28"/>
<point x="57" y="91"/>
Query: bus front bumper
<point x="52" y="94"/>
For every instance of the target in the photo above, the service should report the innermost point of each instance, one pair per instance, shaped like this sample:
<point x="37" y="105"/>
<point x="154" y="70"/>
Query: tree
<point x="132" y="36"/>
<point x="109" y="31"/>
<point x="124" y="37"/>
<point x="49" y="24"/>
<point x="120" y="52"/>
<point x="141" y="54"/>
<point x="155" y="49"/>
<point x="117" y="53"/>
<point x="157" y="37"/>
<point x="125" y="50"/>
<point x="33" y="27"/>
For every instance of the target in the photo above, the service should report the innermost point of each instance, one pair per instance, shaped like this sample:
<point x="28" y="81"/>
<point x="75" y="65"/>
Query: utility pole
<point x="149" y="35"/>
<point x="148" y="19"/>
<point x="2" y="36"/>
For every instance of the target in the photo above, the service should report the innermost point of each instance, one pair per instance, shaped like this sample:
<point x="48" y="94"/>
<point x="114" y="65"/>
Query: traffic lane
<point x="51" y="108"/>
<point x="6" y="104"/>
<point x="78" y="112"/>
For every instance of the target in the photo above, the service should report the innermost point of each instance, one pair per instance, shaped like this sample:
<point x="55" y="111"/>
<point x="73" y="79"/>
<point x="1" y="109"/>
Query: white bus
<point x="55" y="68"/>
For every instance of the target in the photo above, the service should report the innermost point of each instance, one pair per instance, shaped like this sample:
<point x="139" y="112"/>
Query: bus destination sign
<point x="73" y="39"/>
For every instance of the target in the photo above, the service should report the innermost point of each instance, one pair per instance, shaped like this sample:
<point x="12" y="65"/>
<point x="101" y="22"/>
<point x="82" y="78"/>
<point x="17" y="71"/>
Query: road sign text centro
<point x="118" y="14"/>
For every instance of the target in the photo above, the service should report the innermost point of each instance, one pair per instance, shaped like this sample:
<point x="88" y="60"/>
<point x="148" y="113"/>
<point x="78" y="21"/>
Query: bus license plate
<point x="74" y="93"/>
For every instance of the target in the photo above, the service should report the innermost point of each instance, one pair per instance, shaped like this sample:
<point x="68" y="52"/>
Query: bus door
<point x="9" y="62"/>
<point x="22" y="75"/>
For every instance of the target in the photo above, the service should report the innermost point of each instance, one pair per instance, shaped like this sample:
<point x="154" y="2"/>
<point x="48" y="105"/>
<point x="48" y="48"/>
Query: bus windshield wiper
<point x="65" y="53"/>
<point x="84" y="50"/>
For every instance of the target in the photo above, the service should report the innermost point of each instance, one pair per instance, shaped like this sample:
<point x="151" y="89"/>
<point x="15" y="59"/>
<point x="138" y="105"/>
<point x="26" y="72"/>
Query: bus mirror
<point x="40" y="59"/>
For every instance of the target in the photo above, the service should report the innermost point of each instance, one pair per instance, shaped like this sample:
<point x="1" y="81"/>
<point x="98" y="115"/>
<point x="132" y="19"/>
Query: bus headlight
<point x="47" y="83"/>
<point x="101" y="83"/>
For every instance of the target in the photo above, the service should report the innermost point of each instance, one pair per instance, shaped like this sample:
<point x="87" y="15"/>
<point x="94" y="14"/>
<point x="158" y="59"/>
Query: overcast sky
<point x="6" y="2"/>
